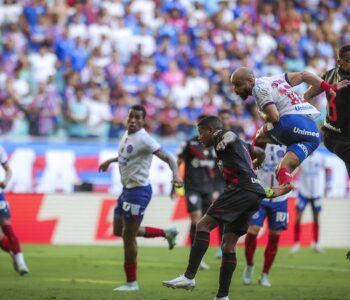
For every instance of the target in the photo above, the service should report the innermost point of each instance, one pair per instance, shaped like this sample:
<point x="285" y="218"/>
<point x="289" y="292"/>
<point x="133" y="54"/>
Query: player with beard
<point x="287" y="116"/>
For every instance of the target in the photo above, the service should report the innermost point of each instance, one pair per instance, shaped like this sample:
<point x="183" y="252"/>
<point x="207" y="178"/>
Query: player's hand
<point x="104" y="166"/>
<point x="342" y="84"/>
<point x="177" y="182"/>
<point x="2" y="184"/>
<point x="222" y="144"/>
<point x="257" y="163"/>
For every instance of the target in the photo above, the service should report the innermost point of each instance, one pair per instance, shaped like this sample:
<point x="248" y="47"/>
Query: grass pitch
<point x="91" y="272"/>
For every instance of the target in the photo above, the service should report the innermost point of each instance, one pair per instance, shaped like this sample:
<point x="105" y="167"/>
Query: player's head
<point x="344" y="59"/>
<point x="206" y="128"/>
<point x="224" y="116"/>
<point x="243" y="80"/>
<point x="136" y="118"/>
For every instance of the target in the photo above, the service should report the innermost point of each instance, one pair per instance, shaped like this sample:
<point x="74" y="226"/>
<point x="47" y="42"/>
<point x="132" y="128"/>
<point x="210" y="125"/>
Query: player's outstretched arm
<point x="171" y="161"/>
<point x="104" y="166"/>
<point x="297" y="78"/>
<point x="312" y="92"/>
<point x="228" y="138"/>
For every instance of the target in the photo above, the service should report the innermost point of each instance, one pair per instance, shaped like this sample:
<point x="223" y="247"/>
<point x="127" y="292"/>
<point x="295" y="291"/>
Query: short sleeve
<point x="151" y="145"/>
<point x="262" y="95"/>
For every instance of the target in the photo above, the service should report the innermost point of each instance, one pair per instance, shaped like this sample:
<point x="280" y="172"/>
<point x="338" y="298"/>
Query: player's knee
<point x="118" y="232"/>
<point x="227" y="247"/>
<point x="253" y="229"/>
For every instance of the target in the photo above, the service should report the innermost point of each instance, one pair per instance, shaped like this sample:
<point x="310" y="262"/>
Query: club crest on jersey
<point x="280" y="153"/>
<point x="129" y="148"/>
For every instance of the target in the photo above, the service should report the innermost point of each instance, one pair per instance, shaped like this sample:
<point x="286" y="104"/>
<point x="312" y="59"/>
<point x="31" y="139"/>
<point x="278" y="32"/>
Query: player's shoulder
<point x="331" y="74"/>
<point x="262" y="86"/>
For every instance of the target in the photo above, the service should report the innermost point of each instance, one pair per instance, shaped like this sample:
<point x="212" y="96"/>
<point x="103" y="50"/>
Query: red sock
<point x="315" y="231"/>
<point x="296" y="232"/>
<point x="130" y="271"/>
<point x="250" y="246"/>
<point x="5" y="244"/>
<point x="284" y="176"/>
<point x="270" y="252"/>
<point x="12" y="238"/>
<point x="151" y="232"/>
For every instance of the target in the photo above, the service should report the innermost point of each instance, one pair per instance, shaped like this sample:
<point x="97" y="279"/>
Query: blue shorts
<point x="298" y="132"/>
<point x="132" y="203"/>
<point x="303" y="201"/>
<point x="4" y="207"/>
<point x="276" y="213"/>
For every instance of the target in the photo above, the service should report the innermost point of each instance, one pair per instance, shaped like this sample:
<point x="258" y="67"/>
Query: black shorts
<point x="234" y="207"/>
<point x="340" y="147"/>
<point x="198" y="201"/>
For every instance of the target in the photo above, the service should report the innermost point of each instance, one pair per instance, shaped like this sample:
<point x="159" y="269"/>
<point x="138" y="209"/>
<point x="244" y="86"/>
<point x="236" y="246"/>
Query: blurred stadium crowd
<point x="72" y="68"/>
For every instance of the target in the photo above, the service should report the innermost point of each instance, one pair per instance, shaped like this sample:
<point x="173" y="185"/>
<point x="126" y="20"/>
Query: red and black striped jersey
<point x="338" y="108"/>
<point x="236" y="164"/>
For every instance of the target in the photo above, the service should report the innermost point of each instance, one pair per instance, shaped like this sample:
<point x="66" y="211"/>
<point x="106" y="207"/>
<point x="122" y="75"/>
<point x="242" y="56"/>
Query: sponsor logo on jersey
<point x="255" y="180"/>
<point x="302" y="107"/>
<point x="303" y="147"/>
<point x="196" y="163"/>
<point x="305" y="132"/>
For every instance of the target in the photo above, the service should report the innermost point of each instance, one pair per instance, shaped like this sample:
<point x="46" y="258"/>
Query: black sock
<point x="228" y="266"/>
<point x="192" y="233"/>
<point x="198" y="249"/>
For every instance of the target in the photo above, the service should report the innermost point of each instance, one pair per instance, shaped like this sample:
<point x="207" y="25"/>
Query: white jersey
<point x="312" y="179"/>
<point x="266" y="173"/>
<point x="277" y="90"/>
<point x="135" y="155"/>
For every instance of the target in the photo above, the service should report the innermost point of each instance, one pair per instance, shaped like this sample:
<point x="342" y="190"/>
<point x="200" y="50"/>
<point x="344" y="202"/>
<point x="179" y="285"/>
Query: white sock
<point x="20" y="259"/>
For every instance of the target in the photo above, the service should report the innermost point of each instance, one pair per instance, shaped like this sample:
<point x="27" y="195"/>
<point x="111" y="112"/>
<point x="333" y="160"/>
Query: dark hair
<point x="343" y="49"/>
<point x="223" y="111"/>
<point x="138" y="107"/>
<point x="201" y="117"/>
<point x="210" y="121"/>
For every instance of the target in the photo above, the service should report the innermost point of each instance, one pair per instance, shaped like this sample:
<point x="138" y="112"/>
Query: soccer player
<point x="286" y="116"/>
<point x="311" y="187"/>
<point x="8" y="239"/>
<point x="234" y="207"/>
<point x="198" y="181"/>
<point x="135" y="153"/>
<point x="336" y="125"/>
<point x="275" y="210"/>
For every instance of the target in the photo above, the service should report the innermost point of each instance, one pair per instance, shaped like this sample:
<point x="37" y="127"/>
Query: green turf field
<point x="72" y="272"/>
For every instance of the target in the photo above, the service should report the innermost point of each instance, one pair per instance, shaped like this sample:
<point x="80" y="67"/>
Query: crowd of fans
<point x="73" y="68"/>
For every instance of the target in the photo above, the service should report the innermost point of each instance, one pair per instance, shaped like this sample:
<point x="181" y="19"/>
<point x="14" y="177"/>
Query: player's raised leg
<point x="153" y="232"/>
